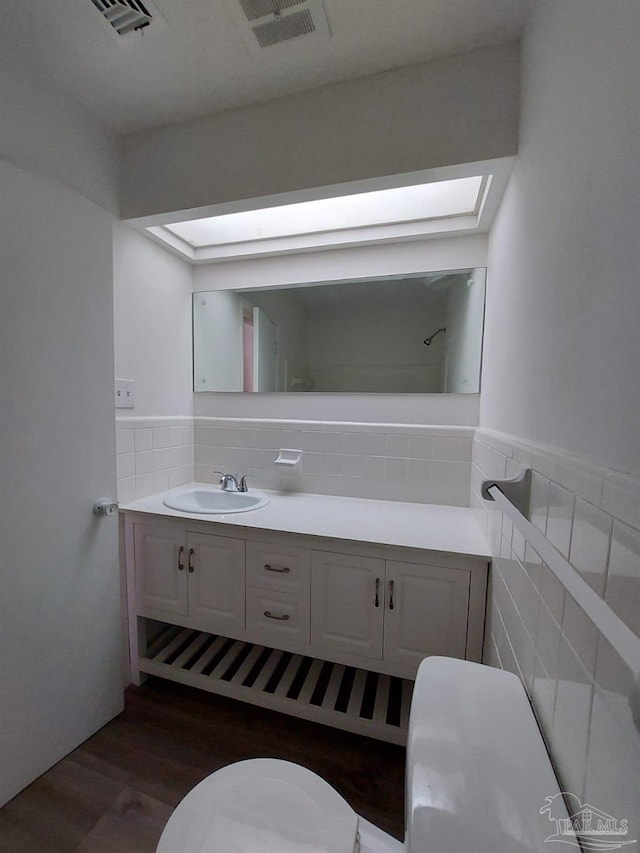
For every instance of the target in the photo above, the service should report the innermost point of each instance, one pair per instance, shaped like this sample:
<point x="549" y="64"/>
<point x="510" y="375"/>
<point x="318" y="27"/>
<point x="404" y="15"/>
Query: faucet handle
<point x="243" y="482"/>
<point x="228" y="482"/>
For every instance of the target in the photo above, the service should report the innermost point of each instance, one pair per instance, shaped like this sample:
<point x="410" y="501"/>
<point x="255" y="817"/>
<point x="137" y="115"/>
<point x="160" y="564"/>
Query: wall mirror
<point x="404" y="334"/>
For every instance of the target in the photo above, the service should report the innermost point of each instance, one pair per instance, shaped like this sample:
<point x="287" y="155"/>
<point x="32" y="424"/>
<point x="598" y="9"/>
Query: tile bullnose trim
<point x="143" y="422"/>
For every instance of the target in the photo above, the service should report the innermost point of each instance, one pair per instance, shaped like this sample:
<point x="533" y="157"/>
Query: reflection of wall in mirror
<point x="377" y="347"/>
<point x="217" y="341"/>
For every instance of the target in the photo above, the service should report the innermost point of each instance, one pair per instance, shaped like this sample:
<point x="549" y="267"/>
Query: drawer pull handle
<point x="180" y="563"/>
<point x="377" y="601"/>
<point x="391" y="595"/>
<point x="283" y="570"/>
<point x="283" y="618"/>
<point x="191" y="566"/>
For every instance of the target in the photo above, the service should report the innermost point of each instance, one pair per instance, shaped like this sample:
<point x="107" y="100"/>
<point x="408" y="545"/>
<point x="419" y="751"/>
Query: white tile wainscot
<point x="153" y="454"/>
<point x="317" y="606"/>
<point x="578" y="686"/>
<point x="399" y="462"/>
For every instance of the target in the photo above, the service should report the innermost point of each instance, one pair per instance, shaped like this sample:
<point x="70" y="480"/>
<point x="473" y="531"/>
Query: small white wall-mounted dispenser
<point x="289" y="459"/>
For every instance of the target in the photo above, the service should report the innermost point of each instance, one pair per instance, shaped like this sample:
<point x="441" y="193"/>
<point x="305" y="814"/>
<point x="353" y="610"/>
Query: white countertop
<point x="448" y="529"/>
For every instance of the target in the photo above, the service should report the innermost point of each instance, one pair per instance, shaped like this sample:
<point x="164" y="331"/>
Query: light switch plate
<point x="125" y="396"/>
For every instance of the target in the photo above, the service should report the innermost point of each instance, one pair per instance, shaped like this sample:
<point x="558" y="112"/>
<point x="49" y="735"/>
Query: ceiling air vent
<point x="277" y="21"/>
<point x="255" y="9"/>
<point x="125" y="16"/>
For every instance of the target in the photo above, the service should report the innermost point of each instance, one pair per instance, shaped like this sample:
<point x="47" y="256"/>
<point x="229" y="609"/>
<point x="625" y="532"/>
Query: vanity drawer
<point x="277" y="616"/>
<point x="276" y="567"/>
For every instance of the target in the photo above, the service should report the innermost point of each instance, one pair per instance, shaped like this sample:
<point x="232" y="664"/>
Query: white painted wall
<point x="434" y="409"/>
<point x="152" y="309"/>
<point x="563" y="302"/>
<point x="60" y="630"/>
<point x="43" y="130"/>
<point x="362" y="262"/>
<point x="441" y="113"/>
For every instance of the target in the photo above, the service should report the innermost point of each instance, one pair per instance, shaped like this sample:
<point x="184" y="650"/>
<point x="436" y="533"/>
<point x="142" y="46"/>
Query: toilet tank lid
<point x="478" y="773"/>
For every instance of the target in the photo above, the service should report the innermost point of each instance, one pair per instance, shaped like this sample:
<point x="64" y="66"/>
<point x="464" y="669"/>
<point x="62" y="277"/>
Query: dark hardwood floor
<point x="115" y="793"/>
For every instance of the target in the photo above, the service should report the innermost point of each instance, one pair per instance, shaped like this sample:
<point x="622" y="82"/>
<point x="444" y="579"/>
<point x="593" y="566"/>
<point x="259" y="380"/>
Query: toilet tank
<point x="478" y="773"/>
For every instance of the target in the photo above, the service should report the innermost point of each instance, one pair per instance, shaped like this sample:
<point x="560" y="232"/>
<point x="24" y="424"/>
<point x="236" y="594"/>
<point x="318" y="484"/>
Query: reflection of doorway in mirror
<point x="265" y="351"/>
<point x="247" y="346"/>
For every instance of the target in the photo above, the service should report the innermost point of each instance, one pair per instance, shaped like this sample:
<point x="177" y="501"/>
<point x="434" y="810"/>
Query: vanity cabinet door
<point x="160" y="568"/>
<point x="426" y="612"/>
<point x="215" y="567"/>
<point x="347" y="603"/>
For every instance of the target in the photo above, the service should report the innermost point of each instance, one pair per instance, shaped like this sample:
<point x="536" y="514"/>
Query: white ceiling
<point x="199" y="60"/>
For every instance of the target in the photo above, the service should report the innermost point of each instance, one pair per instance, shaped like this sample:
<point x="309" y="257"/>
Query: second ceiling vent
<point x="278" y="21"/>
<point x="125" y="16"/>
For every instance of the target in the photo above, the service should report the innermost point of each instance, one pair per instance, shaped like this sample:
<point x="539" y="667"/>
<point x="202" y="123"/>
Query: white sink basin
<point x="211" y="500"/>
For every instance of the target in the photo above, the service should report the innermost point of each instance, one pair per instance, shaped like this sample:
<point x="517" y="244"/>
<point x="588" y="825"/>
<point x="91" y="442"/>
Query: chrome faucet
<point x="229" y="482"/>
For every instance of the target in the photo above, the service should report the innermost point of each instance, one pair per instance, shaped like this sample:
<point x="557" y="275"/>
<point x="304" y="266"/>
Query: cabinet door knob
<point x="191" y="568"/>
<point x="282" y="569"/>
<point x="180" y="563"/>
<point x="391" y="595"/>
<point x="283" y="618"/>
<point x="377" y="599"/>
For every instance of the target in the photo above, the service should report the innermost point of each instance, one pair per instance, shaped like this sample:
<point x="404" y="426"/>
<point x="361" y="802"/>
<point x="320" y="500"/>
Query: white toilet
<point x="477" y="778"/>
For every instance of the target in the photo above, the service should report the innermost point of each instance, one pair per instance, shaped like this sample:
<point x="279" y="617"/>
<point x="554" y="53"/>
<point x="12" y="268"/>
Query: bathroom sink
<point x="212" y="500"/>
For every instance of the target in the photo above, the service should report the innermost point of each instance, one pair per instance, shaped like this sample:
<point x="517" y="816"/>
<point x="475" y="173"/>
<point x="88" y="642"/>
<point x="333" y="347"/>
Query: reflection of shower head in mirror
<point x="427" y="341"/>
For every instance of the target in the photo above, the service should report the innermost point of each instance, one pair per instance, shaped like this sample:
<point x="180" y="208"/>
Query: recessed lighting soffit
<point x="457" y="200"/>
<point x="444" y="199"/>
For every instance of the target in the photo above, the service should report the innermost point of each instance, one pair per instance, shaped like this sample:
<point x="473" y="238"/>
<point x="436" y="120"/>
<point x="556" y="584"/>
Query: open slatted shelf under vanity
<point x="341" y="696"/>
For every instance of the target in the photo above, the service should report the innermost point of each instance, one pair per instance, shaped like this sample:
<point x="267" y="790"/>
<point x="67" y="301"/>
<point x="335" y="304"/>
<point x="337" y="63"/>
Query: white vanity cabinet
<point x="379" y="607"/>
<point x="194" y="577"/>
<point x="314" y="606"/>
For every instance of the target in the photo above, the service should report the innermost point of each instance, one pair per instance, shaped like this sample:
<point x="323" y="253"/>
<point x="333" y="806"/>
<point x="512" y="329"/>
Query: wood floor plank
<point x="132" y="824"/>
<point x="15" y="838"/>
<point x="63" y="805"/>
